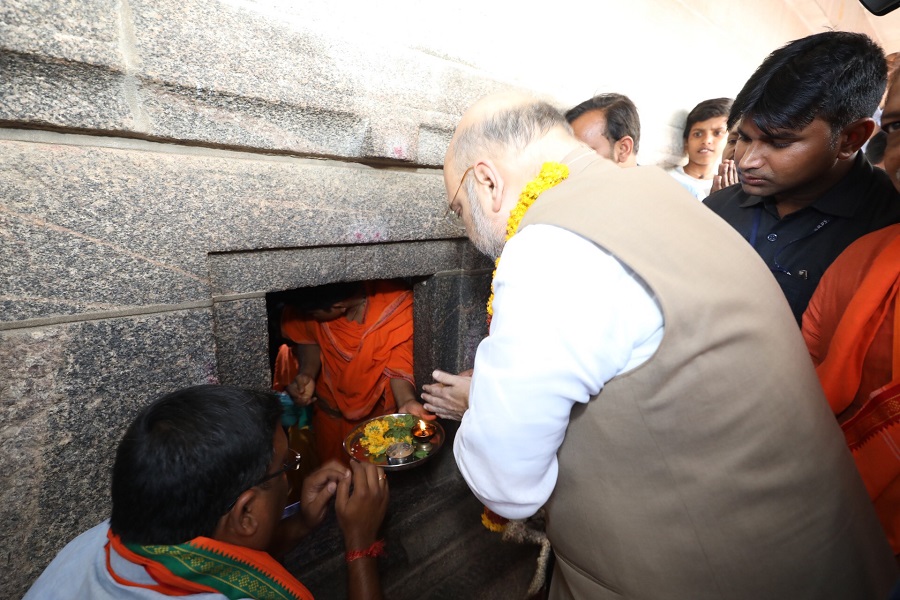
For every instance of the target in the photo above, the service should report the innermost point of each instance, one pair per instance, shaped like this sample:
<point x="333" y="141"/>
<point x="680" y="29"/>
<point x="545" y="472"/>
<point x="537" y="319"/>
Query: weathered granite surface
<point x="66" y="395"/>
<point x="451" y="320"/>
<point x="194" y="238"/>
<point x="134" y="266"/>
<point x="53" y="93"/>
<point x="162" y="69"/>
<point x="90" y="229"/>
<point x="86" y="31"/>
<point x="243" y="272"/>
<point x="242" y="343"/>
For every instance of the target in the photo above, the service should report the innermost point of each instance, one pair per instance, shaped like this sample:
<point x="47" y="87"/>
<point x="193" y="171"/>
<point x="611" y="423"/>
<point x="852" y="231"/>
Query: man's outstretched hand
<point x="448" y="398"/>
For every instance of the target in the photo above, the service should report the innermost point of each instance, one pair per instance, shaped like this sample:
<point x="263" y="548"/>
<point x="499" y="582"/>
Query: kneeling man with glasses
<point x="199" y="488"/>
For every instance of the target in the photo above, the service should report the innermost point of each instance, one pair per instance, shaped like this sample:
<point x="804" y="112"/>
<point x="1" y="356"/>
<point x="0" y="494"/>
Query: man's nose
<point x="751" y="158"/>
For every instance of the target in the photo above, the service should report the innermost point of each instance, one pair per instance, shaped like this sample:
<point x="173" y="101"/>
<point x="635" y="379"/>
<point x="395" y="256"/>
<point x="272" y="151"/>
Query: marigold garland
<point x="493" y="521"/>
<point x="552" y="173"/>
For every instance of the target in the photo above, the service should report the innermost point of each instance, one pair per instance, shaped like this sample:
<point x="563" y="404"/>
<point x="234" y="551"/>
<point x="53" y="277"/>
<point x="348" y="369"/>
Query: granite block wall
<point x="131" y="269"/>
<point x="157" y="179"/>
<point x="165" y="164"/>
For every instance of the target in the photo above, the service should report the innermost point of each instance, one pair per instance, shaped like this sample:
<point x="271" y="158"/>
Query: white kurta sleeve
<point x="567" y="318"/>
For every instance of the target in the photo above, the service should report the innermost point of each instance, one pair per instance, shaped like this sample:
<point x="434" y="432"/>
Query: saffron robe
<point x="358" y="362"/>
<point x="852" y="330"/>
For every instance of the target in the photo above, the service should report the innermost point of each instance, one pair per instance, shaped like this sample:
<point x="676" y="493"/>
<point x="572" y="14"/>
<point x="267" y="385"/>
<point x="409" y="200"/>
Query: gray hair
<point x="510" y="129"/>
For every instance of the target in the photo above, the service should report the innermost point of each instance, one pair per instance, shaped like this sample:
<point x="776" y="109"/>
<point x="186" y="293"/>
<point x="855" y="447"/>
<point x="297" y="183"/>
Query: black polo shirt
<point x="799" y="247"/>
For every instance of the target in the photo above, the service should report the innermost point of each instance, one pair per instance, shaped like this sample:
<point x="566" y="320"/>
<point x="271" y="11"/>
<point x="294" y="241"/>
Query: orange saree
<point x="358" y="362"/>
<point x="858" y="362"/>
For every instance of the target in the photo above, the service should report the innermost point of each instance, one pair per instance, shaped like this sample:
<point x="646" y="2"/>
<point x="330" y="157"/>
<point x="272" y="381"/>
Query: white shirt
<point x="700" y="188"/>
<point x="79" y="571"/>
<point x="568" y="317"/>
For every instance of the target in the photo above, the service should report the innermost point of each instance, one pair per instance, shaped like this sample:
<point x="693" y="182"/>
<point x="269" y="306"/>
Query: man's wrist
<point x="374" y="550"/>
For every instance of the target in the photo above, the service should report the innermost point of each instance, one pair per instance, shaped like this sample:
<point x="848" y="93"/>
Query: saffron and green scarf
<point x="204" y="565"/>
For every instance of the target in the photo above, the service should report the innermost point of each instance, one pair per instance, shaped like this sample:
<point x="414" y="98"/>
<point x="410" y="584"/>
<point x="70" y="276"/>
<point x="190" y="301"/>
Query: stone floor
<point x="437" y="547"/>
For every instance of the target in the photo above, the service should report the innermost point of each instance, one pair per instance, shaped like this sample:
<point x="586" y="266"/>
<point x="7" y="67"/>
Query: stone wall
<point x="157" y="180"/>
<point x="164" y="165"/>
<point x="135" y="268"/>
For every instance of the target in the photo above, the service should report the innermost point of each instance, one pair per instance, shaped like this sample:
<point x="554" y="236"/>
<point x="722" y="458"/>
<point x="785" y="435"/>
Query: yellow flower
<point x="377" y="437"/>
<point x="552" y="173"/>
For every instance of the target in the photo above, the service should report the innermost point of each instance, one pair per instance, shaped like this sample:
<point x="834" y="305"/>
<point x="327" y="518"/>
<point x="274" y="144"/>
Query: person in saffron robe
<point x="852" y="330"/>
<point x="198" y="496"/>
<point x="354" y="347"/>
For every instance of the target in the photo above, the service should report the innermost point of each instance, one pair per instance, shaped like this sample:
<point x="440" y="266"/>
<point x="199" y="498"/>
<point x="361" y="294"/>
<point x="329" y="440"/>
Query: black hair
<point x="621" y="116"/>
<point x="837" y="76"/>
<point x="876" y="147"/>
<point x="186" y="458"/>
<point x="708" y="109"/>
<point x="323" y="297"/>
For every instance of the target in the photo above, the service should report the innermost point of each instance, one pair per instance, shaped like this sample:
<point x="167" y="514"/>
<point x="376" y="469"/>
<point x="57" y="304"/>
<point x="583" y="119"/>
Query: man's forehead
<point x="596" y="117"/>
<point x="747" y="125"/>
<point x="711" y="123"/>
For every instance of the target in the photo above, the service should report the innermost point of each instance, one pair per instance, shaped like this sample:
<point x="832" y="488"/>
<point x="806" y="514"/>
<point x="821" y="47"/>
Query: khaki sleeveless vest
<point x="715" y="469"/>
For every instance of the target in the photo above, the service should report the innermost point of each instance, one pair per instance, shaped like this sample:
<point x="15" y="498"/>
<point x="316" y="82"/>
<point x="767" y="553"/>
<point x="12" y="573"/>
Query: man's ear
<point x="622" y="149"/>
<point x="853" y="136"/>
<point x="486" y="173"/>
<point x="241" y="522"/>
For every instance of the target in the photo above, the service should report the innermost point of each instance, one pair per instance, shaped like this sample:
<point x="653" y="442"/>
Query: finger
<point x="419" y="411"/>
<point x="445" y="378"/>
<point x="443" y="414"/>
<point x="343" y="494"/>
<point x="366" y="474"/>
<point x="442" y="394"/>
<point x="331" y="471"/>
<point x="431" y="401"/>
<point x="317" y="504"/>
<point x="432" y="388"/>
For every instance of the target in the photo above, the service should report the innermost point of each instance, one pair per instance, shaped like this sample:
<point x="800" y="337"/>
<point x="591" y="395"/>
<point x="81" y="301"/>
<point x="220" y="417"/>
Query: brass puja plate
<point x="401" y="459"/>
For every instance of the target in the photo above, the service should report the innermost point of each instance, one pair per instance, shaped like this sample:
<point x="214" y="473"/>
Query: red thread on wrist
<point x="373" y="551"/>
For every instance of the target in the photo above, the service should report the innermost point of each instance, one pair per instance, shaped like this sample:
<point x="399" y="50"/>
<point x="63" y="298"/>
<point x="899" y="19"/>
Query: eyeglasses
<point x="459" y="187"/>
<point x="291" y="464"/>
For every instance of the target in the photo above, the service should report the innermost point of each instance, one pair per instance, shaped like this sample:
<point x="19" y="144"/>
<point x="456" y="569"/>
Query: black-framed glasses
<point x="292" y="463"/>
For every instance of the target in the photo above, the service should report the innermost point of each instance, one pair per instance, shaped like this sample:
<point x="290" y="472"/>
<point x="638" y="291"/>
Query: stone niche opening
<point x="276" y="302"/>
<point x="437" y="547"/>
